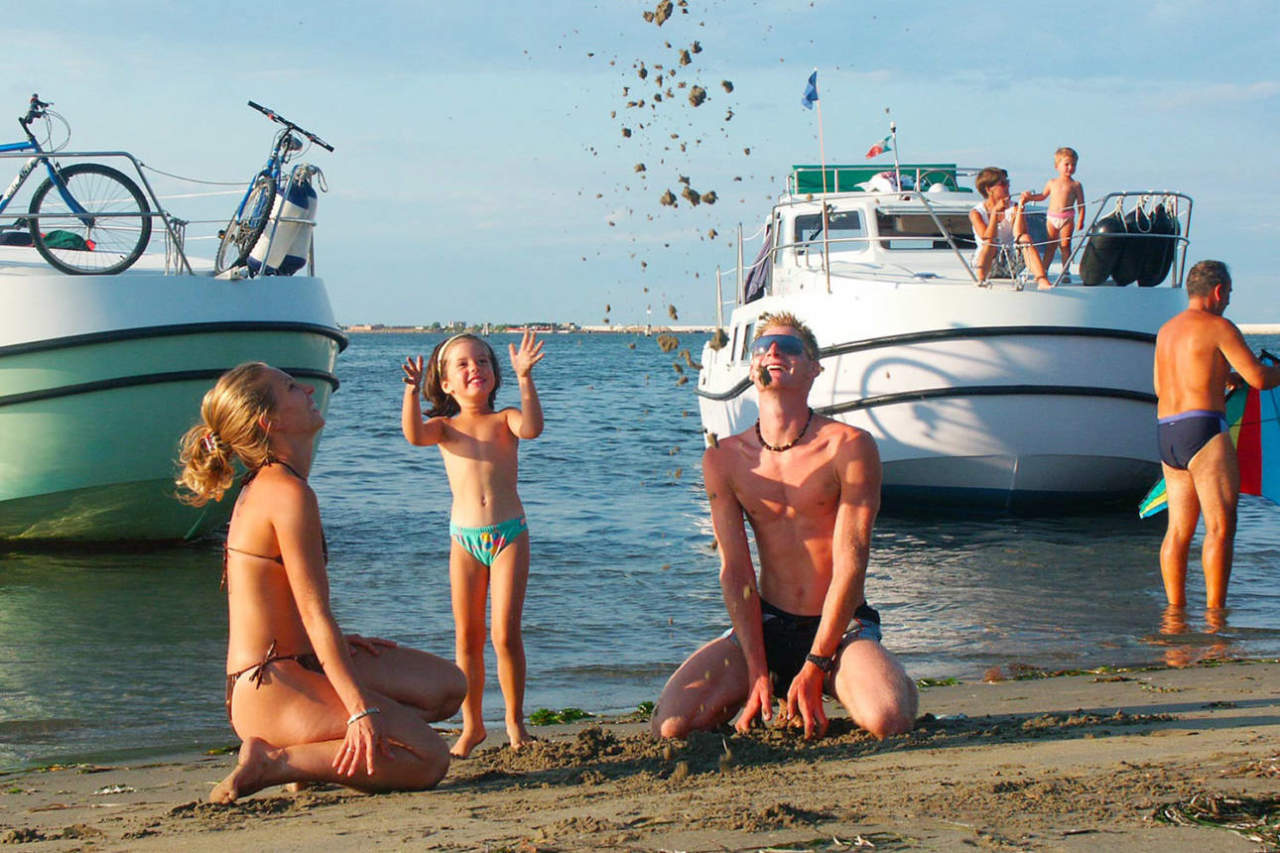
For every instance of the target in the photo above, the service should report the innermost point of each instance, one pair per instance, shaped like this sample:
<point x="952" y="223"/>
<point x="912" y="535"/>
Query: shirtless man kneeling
<point x="810" y="487"/>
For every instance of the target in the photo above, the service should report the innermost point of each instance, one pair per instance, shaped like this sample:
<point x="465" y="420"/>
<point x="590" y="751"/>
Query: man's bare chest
<point x="807" y="494"/>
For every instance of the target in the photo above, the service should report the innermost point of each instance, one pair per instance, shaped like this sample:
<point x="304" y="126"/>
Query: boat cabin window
<point x="746" y="341"/>
<point x="908" y="231"/>
<point x="847" y="232"/>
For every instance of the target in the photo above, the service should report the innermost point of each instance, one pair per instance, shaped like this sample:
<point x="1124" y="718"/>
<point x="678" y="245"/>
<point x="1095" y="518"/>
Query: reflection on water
<point x="1185" y="643"/>
<point x="104" y="655"/>
<point x="106" y="651"/>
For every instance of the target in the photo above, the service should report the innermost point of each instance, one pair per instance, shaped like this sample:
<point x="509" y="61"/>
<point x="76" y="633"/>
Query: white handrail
<point x="1101" y="208"/>
<point x="158" y="209"/>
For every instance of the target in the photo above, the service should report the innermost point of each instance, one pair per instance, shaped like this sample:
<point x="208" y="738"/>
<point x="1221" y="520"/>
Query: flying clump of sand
<point x="662" y="12"/>
<point x="673" y="129"/>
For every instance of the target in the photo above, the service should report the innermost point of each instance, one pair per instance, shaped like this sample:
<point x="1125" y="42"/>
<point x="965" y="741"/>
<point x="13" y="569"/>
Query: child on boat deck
<point x="490" y="539"/>
<point x="1066" y="205"/>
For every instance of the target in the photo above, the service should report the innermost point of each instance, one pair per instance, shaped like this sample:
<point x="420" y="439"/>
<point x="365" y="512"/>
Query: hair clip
<point x="210" y="442"/>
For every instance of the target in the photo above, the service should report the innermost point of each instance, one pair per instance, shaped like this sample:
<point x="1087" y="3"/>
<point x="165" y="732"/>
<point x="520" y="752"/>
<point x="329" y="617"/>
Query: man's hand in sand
<point x="529" y="354"/>
<point x="414" y="373"/>
<point x="759" y="704"/>
<point x="805" y="695"/>
<point x="366" y="737"/>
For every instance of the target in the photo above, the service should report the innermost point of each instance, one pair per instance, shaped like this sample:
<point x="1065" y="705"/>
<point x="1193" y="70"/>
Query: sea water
<point x="107" y="655"/>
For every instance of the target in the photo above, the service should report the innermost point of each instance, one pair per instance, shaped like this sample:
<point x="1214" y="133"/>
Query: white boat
<point x="101" y="374"/>
<point x="979" y="394"/>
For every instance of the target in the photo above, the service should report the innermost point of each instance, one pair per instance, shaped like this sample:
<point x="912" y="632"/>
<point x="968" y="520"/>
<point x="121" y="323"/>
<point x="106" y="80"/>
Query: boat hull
<point x="988" y="398"/>
<point x="99" y="377"/>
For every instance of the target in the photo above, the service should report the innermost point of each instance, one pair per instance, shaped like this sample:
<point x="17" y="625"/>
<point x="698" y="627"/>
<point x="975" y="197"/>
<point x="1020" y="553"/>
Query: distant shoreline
<point x="1259" y="328"/>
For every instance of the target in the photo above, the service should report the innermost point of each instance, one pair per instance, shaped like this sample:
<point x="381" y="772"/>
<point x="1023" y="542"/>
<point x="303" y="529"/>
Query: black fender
<point x="1160" y="259"/>
<point x="1101" y="251"/>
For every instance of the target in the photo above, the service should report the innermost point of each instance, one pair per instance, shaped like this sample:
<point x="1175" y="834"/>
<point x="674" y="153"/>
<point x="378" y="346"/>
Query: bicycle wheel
<point x="244" y="229"/>
<point x="105" y="235"/>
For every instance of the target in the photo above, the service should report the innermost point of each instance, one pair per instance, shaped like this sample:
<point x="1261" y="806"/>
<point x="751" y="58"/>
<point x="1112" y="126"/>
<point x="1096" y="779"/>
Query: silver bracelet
<point x="362" y="714"/>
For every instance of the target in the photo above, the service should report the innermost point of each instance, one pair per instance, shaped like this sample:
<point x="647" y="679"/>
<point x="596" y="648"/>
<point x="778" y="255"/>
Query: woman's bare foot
<point x="251" y="773"/>
<point x="518" y="736"/>
<point x="1043" y="283"/>
<point x="467" y="741"/>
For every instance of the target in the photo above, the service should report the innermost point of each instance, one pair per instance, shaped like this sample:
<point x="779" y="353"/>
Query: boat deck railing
<point x="176" y="261"/>
<point x="1122" y="204"/>
<point x="1178" y="208"/>
<point x="174" y="228"/>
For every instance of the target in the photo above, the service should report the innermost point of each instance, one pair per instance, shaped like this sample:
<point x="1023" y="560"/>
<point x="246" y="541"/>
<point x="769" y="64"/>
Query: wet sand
<point x="1081" y="762"/>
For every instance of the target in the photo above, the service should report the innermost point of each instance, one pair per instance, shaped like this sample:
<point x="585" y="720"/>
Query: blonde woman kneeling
<point x="309" y="703"/>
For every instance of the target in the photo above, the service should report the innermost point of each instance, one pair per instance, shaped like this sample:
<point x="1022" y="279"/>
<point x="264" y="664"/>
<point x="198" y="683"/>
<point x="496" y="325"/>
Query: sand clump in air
<point x="662" y="94"/>
<point x="661" y="13"/>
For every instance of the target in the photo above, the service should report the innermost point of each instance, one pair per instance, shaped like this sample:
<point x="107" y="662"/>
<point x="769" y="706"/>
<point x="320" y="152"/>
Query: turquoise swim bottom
<point x="486" y="543"/>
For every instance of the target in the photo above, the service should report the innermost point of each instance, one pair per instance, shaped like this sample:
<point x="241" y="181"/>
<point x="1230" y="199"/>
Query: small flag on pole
<point x="879" y="148"/>
<point x="810" y="92"/>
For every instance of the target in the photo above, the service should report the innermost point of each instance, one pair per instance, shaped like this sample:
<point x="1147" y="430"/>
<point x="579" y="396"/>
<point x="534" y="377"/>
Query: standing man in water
<point x="810" y="488"/>
<point x="1201" y="473"/>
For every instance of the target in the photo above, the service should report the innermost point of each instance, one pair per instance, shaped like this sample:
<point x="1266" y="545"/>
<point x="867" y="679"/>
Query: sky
<point x="481" y="170"/>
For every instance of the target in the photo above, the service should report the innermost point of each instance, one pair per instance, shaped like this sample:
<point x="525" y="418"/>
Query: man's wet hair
<point x="1205" y="276"/>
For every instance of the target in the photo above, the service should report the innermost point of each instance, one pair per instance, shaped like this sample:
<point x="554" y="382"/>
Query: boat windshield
<point x="916" y="231"/>
<point x="847" y="232"/>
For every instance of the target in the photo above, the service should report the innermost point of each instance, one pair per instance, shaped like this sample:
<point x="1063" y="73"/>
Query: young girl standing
<point x="490" y="539"/>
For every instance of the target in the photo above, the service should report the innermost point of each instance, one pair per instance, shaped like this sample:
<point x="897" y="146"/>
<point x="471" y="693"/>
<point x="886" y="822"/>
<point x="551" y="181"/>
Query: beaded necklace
<point x="767" y="446"/>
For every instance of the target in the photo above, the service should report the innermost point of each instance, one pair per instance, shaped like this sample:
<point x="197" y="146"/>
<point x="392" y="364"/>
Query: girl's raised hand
<point x="414" y="373"/>
<point x="529" y="354"/>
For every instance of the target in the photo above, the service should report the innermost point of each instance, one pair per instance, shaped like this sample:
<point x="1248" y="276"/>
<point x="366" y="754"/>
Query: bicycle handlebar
<point x="279" y="119"/>
<point x="35" y="109"/>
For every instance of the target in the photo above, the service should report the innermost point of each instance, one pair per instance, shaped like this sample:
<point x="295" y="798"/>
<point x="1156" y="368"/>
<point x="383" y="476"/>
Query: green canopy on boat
<point x="845" y="178"/>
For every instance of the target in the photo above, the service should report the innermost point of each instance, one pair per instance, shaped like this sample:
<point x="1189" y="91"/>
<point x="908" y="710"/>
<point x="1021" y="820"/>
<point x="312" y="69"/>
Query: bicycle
<point x="254" y="212"/>
<point x="113" y="215"/>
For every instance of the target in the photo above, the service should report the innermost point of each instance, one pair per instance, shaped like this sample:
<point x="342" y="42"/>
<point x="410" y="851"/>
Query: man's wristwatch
<point x="826" y="664"/>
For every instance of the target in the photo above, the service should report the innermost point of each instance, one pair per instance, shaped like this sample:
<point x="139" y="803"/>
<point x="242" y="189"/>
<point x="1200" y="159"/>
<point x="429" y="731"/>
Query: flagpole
<point x="897" y="170"/>
<point x="822" y="155"/>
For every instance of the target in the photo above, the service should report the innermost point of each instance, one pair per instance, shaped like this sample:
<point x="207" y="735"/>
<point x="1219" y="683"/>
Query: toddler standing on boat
<point x="490" y="539"/>
<point x="1066" y="205"/>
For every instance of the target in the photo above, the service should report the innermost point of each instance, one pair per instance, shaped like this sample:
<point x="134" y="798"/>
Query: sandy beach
<point x="1076" y="762"/>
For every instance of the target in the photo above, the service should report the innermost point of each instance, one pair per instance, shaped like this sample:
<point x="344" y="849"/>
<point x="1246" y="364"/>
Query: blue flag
<point x="810" y="92"/>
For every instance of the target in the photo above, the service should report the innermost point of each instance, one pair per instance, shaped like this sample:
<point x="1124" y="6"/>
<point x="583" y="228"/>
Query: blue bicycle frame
<point x="26" y="170"/>
<point x="247" y="225"/>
